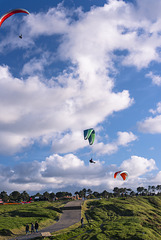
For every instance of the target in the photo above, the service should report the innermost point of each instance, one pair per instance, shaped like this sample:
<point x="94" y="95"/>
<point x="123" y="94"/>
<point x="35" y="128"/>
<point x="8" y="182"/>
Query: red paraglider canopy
<point x="10" y="13"/>
<point x="123" y="174"/>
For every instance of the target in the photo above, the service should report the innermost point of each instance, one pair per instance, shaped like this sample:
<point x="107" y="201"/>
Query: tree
<point x="46" y="196"/>
<point x="60" y="194"/>
<point x="132" y="193"/>
<point x="38" y="195"/>
<point x="52" y="196"/>
<point x="153" y="189"/>
<point x="149" y="189"/>
<point x="116" y="191"/>
<point x="15" y="196"/>
<point x="140" y="189"/>
<point x="96" y="194"/>
<point x="145" y="191"/>
<point x="85" y="191"/>
<point x="104" y="194"/>
<point x="89" y="191"/>
<point x="4" y="196"/>
<point x="128" y="190"/>
<point x="81" y="193"/>
<point x="63" y="194"/>
<point x="25" y="196"/>
<point x="158" y="188"/>
<point x="68" y="194"/>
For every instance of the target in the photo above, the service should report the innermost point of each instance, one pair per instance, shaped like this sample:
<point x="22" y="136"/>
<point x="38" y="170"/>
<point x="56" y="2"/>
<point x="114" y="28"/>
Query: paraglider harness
<point x="91" y="161"/>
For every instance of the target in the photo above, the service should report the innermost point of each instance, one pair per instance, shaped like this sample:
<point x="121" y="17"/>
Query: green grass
<point x="13" y="218"/>
<point x="137" y="218"/>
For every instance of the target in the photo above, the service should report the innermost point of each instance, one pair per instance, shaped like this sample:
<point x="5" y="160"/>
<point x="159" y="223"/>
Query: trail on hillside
<point x="71" y="215"/>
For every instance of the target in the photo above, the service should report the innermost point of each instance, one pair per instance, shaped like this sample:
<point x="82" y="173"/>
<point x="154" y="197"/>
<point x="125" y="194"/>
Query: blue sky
<point x="80" y="64"/>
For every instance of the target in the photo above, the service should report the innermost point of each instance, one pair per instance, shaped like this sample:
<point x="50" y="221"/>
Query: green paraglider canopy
<point x="90" y="135"/>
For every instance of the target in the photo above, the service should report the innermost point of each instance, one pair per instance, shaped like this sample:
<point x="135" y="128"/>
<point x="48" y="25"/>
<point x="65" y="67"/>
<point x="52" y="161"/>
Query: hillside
<point x="132" y="218"/>
<point x="120" y="218"/>
<point x="13" y="218"/>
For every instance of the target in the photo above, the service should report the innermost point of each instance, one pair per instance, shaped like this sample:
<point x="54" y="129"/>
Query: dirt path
<point x="71" y="215"/>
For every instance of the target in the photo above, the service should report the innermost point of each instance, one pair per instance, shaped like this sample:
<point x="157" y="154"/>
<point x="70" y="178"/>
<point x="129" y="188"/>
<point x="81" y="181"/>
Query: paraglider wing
<point x="116" y="173"/>
<point x="91" y="138"/>
<point x="90" y="135"/>
<point x="10" y="13"/>
<point x="123" y="174"/>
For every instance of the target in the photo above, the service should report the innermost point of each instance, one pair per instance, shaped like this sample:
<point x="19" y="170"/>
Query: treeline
<point x="117" y="192"/>
<point x="16" y="196"/>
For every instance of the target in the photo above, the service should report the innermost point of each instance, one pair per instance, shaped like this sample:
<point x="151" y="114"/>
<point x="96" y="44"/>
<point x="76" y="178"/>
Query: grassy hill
<point x="132" y="218"/>
<point x="13" y="218"/>
<point x="129" y="218"/>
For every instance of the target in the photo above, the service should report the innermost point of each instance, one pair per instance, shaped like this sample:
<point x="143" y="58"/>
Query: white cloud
<point x="54" y="21"/>
<point x="31" y="109"/>
<point x="157" y="110"/>
<point x="156" y="180"/>
<point x="57" y="172"/>
<point x="37" y="65"/>
<point x="121" y="26"/>
<point x="156" y="79"/>
<point x="82" y="95"/>
<point x="109" y="148"/>
<point x="124" y="138"/>
<point x="150" y="125"/>
<point x="137" y="166"/>
<point x="69" y="142"/>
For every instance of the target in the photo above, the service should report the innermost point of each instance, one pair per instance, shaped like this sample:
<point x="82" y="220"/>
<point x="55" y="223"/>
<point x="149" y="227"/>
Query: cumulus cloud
<point x="32" y="109"/>
<point x="37" y="65"/>
<point x="124" y="138"/>
<point x="156" y="180"/>
<point x="137" y="166"/>
<point x="56" y="110"/>
<point x="54" y="172"/>
<point x="121" y="26"/>
<point x="69" y="142"/>
<point x="57" y="172"/>
<point x="54" y="21"/>
<point x="157" y="110"/>
<point x="150" y="125"/>
<point x="156" y="79"/>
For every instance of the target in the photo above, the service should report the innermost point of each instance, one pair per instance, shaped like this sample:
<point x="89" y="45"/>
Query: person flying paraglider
<point x="12" y="12"/>
<point x="91" y="161"/>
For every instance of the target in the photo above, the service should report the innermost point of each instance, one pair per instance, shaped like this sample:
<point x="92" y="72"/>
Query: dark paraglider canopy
<point x="90" y="135"/>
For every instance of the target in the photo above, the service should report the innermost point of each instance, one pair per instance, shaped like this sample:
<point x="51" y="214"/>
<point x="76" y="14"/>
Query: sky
<point x="79" y="65"/>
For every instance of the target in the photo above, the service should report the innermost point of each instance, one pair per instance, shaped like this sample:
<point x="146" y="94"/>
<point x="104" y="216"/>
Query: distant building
<point x="76" y="197"/>
<point x="37" y="199"/>
<point x="55" y="198"/>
